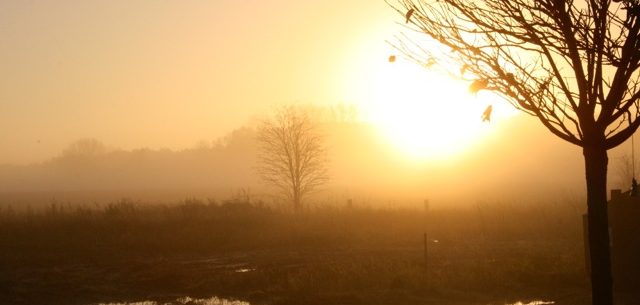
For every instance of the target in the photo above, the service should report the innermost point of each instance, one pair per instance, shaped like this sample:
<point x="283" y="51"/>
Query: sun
<point x="427" y="115"/>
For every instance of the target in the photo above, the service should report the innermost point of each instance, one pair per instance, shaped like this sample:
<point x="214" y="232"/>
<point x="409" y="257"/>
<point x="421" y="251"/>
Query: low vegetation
<point x="128" y="251"/>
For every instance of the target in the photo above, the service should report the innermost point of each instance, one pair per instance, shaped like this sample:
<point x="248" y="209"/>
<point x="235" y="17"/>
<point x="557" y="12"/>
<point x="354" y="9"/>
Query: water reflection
<point x="221" y="301"/>
<point x="186" y="301"/>
<point x="534" y="303"/>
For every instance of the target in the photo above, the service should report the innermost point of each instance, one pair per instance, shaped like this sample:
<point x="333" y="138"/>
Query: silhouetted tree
<point x="84" y="147"/>
<point x="292" y="155"/>
<point x="624" y="169"/>
<point x="572" y="64"/>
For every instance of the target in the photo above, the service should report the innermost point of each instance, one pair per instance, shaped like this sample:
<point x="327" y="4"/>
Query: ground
<point x="130" y="252"/>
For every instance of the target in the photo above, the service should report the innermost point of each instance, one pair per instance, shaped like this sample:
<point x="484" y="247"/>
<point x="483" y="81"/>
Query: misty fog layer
<point x="518" y="162"/>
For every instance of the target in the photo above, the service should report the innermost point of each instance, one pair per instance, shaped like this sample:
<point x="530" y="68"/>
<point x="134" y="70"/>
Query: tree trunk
<point x="596" y="173"/>
<point x="297" y="203"/>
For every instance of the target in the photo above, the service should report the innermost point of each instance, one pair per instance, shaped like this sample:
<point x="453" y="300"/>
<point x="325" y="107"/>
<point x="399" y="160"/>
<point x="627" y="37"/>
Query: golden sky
<point x="173" y="73"/>
<point x="169" y="74"/>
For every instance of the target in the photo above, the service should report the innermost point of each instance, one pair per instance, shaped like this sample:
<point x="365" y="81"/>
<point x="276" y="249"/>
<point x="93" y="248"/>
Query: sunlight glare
<point x="429" y="116"/>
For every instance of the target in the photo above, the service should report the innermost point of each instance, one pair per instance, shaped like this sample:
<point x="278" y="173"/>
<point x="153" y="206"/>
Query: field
<point x="127" y="251"/>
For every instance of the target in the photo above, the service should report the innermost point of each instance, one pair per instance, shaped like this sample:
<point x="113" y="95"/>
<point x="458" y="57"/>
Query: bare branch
<point x="572" y="64"/>
<point x="292" y="156"/>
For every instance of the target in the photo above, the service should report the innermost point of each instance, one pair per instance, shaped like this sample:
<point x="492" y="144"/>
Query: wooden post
<point x="426" y="260"/>
<point x="426" y="252"/>
<point x="426" y="242"/>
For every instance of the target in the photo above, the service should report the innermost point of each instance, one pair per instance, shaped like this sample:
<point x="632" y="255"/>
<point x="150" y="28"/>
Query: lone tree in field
<point x="572" y="64"/>
<point x="292" y="155"/>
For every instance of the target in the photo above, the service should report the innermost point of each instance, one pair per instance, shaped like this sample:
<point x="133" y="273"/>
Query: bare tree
<point x="84" y="147"/>
<point x="625" y="171"/>
<point x="572" y="64"/>
<point x="292" y="154"/>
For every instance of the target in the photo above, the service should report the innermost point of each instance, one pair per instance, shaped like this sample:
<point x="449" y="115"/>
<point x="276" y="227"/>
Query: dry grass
<point x="487" y="254"/>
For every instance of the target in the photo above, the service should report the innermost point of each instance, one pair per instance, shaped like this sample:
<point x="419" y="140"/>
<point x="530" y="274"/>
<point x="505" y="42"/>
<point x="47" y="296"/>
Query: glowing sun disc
<point x="424" y="114"/>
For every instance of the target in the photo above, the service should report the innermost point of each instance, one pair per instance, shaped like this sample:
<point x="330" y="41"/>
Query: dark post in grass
<point x="426" y="241"/>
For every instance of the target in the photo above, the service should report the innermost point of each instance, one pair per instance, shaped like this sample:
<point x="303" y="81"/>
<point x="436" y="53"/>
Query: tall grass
<point x="328" y="255"/>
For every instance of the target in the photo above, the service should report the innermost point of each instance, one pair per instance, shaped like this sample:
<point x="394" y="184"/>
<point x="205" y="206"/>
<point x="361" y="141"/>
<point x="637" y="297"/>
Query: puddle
<point x="221" y="301"/>
<point x="185" y="301"/>
<point x="244" y="270"/>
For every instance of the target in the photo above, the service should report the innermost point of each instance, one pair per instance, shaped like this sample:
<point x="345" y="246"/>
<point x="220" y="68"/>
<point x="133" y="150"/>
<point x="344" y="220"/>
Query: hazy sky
<point x="157" y="74"/>
<point x="172" y="73"/>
